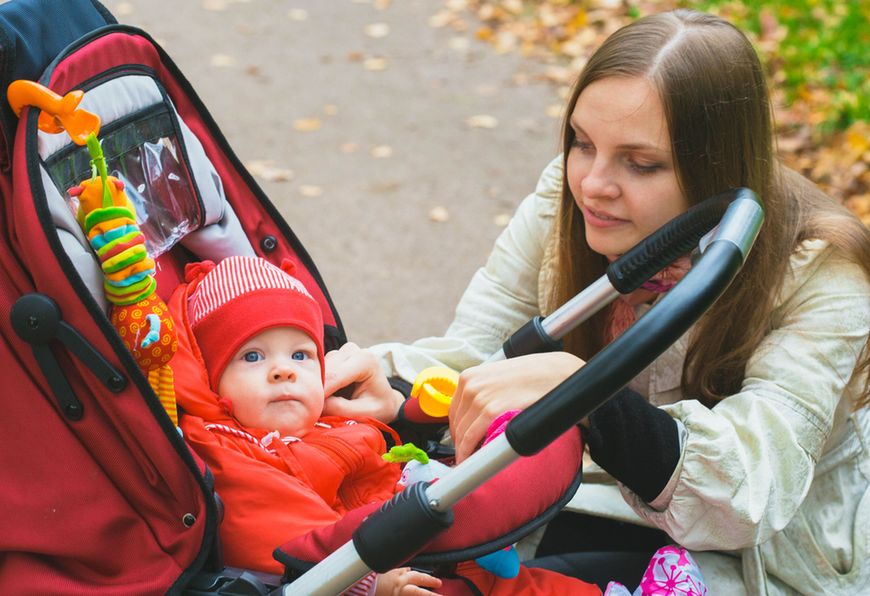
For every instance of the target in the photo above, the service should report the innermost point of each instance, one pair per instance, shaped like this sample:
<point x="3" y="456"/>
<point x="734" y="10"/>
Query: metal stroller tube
<point x="724" y="252"/>
<point x="631" y="270"/>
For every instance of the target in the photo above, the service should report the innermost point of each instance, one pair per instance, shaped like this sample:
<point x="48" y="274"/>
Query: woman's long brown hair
<point x="716" y="103"/>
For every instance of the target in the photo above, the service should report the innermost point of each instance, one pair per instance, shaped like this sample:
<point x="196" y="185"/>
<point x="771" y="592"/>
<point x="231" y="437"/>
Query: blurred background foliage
<point x="816" y="52"/>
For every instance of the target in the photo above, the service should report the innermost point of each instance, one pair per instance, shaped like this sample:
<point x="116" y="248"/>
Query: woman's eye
<point x="583" y="146"/>
<point x="299" y="355"/>
<point x="252" y="356"/>
<point x="644" y="168"/>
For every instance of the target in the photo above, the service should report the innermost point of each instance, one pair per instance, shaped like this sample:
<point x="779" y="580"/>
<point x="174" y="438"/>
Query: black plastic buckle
<point x="37" y="319"/>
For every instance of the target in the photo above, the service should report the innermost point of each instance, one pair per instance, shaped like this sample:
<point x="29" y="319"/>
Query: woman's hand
<point x="406" y="582"/>
<point x="371" y="395"/>
<point x="485" y="391"/>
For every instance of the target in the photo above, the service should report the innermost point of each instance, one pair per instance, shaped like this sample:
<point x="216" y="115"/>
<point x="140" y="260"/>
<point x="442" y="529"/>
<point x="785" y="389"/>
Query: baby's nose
<point x="283" y="372"/>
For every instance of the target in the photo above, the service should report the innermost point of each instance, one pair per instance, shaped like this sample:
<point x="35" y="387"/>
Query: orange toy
<point x="109" y="221"/>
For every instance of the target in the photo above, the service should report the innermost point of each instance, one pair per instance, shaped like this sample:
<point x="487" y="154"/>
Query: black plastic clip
<point x="36" y="319"/>
<point x="399" y="529"/>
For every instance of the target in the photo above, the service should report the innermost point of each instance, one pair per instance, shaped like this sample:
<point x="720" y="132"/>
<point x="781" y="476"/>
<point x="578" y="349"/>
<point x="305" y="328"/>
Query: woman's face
<point x="620" y="169"/>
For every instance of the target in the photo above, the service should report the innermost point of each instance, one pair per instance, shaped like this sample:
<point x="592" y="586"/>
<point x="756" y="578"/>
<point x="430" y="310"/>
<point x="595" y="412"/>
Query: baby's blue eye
<point x="299" y="355"/>
<point x="252" y="356"/>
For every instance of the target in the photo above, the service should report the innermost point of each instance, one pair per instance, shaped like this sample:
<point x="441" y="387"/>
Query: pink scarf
<point x="621" y="315"/>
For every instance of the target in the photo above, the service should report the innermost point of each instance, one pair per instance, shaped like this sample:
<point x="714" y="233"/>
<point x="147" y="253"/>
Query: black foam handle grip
<point x="669" y="242"/>
<point x="614" y="366"/>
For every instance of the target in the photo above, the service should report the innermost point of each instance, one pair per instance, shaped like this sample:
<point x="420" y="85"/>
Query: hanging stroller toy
<point x="108" y="219"/>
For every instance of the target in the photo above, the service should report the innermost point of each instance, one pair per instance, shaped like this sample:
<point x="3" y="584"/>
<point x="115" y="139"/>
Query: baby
<point x="260" y="336"/>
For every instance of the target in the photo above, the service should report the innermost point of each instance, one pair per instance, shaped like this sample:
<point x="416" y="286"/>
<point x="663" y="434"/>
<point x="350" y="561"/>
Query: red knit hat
<point x="241" y="297"/>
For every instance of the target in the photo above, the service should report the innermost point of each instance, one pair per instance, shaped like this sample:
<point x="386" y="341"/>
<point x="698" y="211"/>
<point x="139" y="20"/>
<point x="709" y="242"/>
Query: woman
<point x="750" y="435"/>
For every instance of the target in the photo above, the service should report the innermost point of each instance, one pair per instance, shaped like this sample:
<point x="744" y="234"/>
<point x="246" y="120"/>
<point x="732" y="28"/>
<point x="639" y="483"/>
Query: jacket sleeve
<point x="747" y="464"/>
<point x="501" y="297"/>
<point x="264" y="506"/>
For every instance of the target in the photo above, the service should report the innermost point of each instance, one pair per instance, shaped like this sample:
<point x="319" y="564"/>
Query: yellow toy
<point x="434" y="388"/>
<point x="108" y="219"/>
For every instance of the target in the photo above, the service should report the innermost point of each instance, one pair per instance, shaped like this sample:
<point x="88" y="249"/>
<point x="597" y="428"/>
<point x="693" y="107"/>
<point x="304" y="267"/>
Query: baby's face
<point x="274" y="382"/>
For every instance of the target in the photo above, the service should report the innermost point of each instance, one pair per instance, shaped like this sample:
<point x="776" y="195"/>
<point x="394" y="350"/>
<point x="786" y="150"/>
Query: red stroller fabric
<point x="113" y="502"/>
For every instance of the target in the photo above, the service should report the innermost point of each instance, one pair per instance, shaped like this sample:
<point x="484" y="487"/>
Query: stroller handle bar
<point x="724" y="252"/>
<point x="733" y="210"/>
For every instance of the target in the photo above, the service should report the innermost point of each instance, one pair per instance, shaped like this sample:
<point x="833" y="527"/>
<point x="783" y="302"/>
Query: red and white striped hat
<point x="241" y="297"/>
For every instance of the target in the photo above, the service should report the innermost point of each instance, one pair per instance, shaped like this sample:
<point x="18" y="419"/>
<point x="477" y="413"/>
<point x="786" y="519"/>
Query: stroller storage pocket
<point x="145" y="150"/>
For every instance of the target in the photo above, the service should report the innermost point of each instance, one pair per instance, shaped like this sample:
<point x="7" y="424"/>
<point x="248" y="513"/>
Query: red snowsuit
<point x="274" y="492"/>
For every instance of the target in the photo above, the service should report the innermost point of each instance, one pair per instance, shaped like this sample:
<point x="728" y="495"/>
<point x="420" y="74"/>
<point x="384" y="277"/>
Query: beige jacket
<point x="774" y="482"/>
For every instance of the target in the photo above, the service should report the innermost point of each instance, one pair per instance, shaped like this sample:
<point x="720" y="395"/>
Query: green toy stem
<point x="98" y="160"/>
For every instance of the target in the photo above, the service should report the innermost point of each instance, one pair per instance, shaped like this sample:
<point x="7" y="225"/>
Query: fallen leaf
<point x="382" y="151"/>
<point x="215" y="5"/>
<point x="441" y="19"/>
<point x="502" y="219"/>
<point x="355" y="56"/>
<point x="375" y="64"/>
<point x="484" y="34"/>
<point x="348" y="147"/>
<point x="460" y="44"/>
<point x="385" y="187"/>
<point x="309" y="190"/>
<point x="555" y="110"/>
<point x="377" y="30"/>
<point x="482" y="121"/>
<point x="439" y="214"/>
<point x="382" y="4"/>
<point x="330" y="109"/>
<point x="307" y="124"/>
<point x="298" y="14"/>
<point x="266" y="170"/>
<point x="222" y="60"/>
<point x="124" y="9"/>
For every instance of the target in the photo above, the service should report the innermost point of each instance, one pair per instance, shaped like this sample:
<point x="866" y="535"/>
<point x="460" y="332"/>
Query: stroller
<point x="99" y="488"/>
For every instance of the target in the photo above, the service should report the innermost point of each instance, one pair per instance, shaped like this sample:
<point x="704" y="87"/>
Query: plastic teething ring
<point x="434" y="388"/>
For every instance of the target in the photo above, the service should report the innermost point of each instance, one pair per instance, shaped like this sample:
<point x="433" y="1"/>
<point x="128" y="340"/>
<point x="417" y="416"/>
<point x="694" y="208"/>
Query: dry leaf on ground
<point x="375" y="64"/>
<point x="215" y="5"/>
<point x="123" y="9"/>
<point x="482" y="121"/>
<point x="222" y="60"/>
<point x="377" y="30"/>
<point x="307" y="124"/>
<point x="382" y="151"/>
<point x="310" y="190"/>
<point x="266" y="170"/>
<point x="439" y="214"/>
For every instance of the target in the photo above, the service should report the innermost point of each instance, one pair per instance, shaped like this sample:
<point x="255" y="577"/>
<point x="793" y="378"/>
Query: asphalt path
<point x="395" y="146"/>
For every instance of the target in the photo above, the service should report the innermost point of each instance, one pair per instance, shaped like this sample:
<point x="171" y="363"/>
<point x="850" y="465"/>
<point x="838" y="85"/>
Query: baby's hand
<point x="406" y="582"/>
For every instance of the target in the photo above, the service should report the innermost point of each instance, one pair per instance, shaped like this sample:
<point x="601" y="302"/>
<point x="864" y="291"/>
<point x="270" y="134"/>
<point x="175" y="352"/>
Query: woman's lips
<point x="600" y="219"/>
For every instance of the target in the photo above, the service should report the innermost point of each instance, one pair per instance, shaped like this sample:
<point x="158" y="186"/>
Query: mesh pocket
<point x="144" y="152"/>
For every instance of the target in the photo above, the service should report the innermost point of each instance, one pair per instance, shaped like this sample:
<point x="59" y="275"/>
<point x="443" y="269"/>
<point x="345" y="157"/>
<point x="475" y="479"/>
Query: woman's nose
<point x="599" y="182"/>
